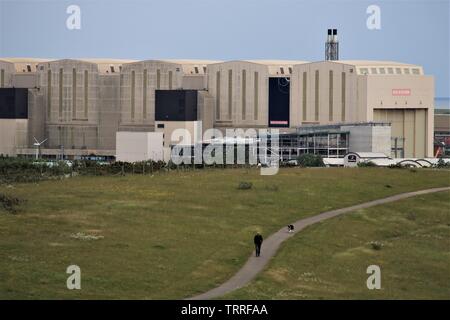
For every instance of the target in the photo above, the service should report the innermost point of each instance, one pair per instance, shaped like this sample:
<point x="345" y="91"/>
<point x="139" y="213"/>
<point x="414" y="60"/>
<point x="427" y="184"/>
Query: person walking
<point x="258" y="240"/>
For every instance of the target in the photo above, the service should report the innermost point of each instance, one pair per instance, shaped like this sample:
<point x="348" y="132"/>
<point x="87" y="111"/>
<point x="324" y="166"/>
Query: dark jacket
<point x="258" y="239"/>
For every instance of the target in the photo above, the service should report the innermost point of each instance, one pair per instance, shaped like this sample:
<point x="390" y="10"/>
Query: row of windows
<point x="283" y="72"/>
<point x="331" y="102"/>
<point x="144" y="90"/>
<point x="389" y="70"/>
<point x="197" y="70"/>
<point x="112" y="69"/>
<point x="243" y="94"/>
<point x="304" y="95"/>
<point x="74" y="93"/>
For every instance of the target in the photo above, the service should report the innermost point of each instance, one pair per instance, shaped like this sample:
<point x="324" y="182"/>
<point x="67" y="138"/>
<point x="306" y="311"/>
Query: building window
<point x="415" y="71"/>
<point x="406" y="70"/>
<point x="398" y="70"/>
<point x="316" y="97"/>
<point x="281" y="70"/>
<point x="112" y="69"/>
<point x="330" y="95"/>
<point x="160" y="125"/>
<point x="2" y="78"/>
<point x="244" y="93"/>
<point x="364" y="71"/>
<point x="28" y="68"/>
<point x="86" y="94"/>
<point x="230" y="93"/>
<point x="343" y="90"/>
<point x="61" y="76"/>
<point x="49" y="93"/>
<point x="305" y="94"/>
<point x="74" y="93"/>
<point x="255" y="107"/>
<point x="144" y="95"/>
<point x="196" y="69"/>
<point x="218" y="95"/>
<point x="158" y="79"/>
<point x="290" y="70"/>
<point x="373" y="70"/>
<point x="204" y="69"/>
<point x="390" y="70"/>
<point x="382" y="71"/>
<point x="170" y="80"/>
<point x="133" y="81"/>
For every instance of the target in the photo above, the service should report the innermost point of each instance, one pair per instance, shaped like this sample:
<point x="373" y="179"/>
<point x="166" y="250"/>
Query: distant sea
<point x="442" y="103"/>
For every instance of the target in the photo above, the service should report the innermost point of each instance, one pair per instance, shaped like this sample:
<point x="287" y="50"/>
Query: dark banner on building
<point x="176" y="105"/>
<point x="13" y="103"/>
<point x="279" y="102"/>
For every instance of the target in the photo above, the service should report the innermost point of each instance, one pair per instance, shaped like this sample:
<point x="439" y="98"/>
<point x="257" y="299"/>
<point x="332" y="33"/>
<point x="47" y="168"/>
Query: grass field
<point x="329" y="260"/>
<point x="168" y="235"/>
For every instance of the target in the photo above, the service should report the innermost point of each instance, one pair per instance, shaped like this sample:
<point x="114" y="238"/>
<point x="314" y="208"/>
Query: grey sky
<point x="411" y="31"/>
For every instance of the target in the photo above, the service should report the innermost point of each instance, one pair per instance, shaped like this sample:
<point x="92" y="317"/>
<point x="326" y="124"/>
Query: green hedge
<point x="310" y="160"/>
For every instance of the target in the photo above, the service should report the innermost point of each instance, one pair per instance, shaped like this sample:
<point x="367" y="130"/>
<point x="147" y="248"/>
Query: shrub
<point x="376" y="245"/>
<point x="273" y="188"/>
<point x="411" y="216"/>
<point x="366" y="164"/>
<point x="245" y="185"/>
<point x="9" y="203"/>
<point x="310" y="160"/>
<point x="441" y="164"/>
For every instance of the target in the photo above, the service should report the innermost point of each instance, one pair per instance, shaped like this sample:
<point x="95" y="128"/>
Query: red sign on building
<point x="401" y="92"/>
<point x="274" y="122"/>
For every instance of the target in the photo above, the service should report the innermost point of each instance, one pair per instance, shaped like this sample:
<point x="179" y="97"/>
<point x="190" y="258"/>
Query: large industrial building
<point x="78" y="106"/>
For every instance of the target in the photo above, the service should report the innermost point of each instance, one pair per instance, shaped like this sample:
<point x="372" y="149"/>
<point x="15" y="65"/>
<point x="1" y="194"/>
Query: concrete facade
<point x="371" y="138"/>
<point x="139" y="146"/>
<point x="139" y="80"/>
<point x="81" y="104"/>
<point x="365" y="91"/>
<point x="240" y="91"/>
<point x="13" y="135"/>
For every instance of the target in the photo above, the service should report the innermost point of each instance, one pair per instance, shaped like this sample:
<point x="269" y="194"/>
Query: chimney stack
<point x="332" y="46"/>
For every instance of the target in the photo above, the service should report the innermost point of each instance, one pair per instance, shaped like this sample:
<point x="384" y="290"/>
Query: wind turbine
<point x="38" y="144"/>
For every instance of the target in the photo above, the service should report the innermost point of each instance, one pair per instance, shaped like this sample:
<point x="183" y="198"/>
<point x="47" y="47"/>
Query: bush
<point x="441" y="164"/>
<point x="411" y="216"/>
<point x="9" y="203"/>
<point x="376" y="245"/>
<point x="273" y="188"/>
<point x="396" y="166"/>
<point x="310" y="160"/>
<point x="245" y="185"/>
<point x="366" y="164"/>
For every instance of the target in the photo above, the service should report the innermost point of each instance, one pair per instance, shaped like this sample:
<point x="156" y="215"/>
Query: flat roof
<point x="373" y="63"/>
<point x="276" y="62"/>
